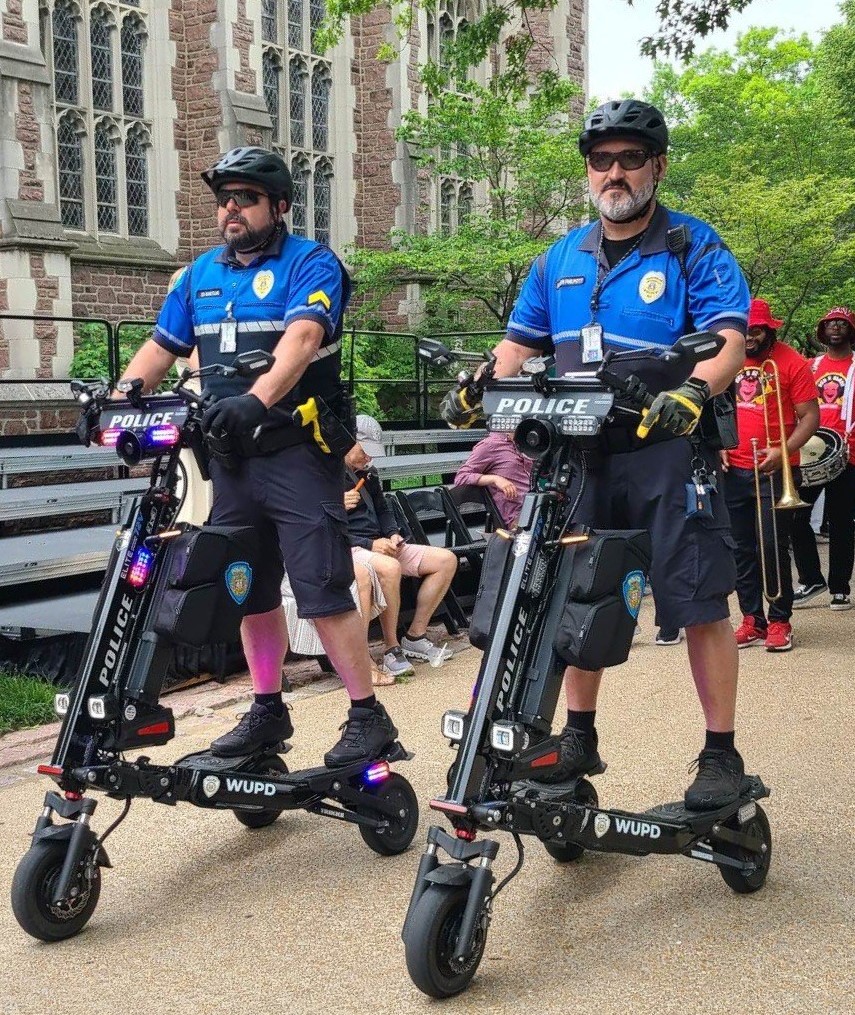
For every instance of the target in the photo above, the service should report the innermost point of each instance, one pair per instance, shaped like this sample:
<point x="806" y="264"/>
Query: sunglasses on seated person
<point x="242" y="198"/>
<point x="632" y="158"/>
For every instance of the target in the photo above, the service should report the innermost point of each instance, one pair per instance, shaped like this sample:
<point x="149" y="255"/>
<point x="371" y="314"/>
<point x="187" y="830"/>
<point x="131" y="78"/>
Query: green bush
<point x="24" y="701"/>
<point x="90" y="360"/>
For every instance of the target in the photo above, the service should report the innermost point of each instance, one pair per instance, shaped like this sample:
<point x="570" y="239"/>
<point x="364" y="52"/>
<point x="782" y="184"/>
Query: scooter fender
<point x="60" y="832"/>
<point x="451" y="874"/>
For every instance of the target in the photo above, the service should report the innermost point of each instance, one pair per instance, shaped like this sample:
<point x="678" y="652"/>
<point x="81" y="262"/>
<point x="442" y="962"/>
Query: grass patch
<point x="24" y="701"/>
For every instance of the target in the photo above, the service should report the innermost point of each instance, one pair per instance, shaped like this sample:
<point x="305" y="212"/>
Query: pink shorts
<point x="409" y="557"/>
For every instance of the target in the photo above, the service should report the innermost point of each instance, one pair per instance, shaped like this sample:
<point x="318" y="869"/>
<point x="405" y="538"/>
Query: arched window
<point x="136" y="178"/>
<point x="446" y="37"/>
<point x="102" y="60"/>
<point x="269" y="28"/>
<point x="321" y="86"/>
<point x="132" y="66"/>
<point x="297" y="102"/>
<point x="299" y="210"/>
<point x="322" y="199"/>
<point x="317" y="12"/>
<point x="270" y="71"/>
<point x="295" y="24"/>
<point x="106" y="189"/>
<point x="465" y="203"/>
<point x="69" y="151"/>
<point x="65" y="48"/>
<point x="446" y="205"/>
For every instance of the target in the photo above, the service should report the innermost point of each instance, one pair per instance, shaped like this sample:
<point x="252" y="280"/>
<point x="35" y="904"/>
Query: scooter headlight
<point x="102" y="707"/>
<point x="60" y="704"/>
<point x="506" y="737"/>
<point x="452" y="725"/>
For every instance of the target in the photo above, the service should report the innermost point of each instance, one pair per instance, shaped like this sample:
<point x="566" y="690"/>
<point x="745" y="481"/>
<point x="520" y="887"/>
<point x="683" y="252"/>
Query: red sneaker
<point x="779" y="637"/>
<point x="748" y="633"/>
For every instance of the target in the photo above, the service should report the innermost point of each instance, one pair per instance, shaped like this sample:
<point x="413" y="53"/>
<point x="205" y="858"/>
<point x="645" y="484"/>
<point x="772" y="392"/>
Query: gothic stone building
<point x="109" y="109"/>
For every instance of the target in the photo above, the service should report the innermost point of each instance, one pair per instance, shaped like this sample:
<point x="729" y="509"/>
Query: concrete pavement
<point x="204" y="917"/>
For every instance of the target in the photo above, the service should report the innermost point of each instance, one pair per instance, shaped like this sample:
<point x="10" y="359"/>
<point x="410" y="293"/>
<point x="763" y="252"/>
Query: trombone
<point x="789" y="499"/>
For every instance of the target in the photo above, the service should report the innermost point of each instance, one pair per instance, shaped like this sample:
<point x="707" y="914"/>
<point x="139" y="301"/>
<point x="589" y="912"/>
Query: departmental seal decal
<point x="262" y="283"/>
<point x="239" y="581"/>
<point x="651" y="286"/>
<point x="210" y="785"/>
<point x="633" y="592"/>
<point x="602" y="823"/>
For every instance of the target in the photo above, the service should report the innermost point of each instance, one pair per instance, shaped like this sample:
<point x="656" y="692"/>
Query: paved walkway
<point x="204" y="917"/>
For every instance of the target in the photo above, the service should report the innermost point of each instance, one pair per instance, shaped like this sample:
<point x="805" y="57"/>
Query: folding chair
<point x="479" y="498"/>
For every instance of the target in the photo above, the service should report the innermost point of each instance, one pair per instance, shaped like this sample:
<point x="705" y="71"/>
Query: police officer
<point x="268" y="289"/>
<point x="638" y="279"/>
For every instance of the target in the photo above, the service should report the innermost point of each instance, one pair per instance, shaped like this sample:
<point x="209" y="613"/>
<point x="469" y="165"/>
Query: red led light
<point x="109" y="438"/>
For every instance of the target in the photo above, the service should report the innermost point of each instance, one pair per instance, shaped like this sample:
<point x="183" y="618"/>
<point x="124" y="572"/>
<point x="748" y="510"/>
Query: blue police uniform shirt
<point x="645" y="302"/>
<point x="291" y="279"/>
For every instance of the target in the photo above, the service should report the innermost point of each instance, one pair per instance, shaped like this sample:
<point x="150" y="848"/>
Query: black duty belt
<point x="229" y="450"/>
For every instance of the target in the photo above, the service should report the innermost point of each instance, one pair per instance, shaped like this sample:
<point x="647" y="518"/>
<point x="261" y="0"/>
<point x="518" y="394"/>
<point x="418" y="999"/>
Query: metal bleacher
<point x="69" y="498"/>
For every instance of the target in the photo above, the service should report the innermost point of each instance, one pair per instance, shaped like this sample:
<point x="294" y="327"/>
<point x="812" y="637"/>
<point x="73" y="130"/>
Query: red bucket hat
<point x="835" y="314"/>
<point x="760" y="316"/>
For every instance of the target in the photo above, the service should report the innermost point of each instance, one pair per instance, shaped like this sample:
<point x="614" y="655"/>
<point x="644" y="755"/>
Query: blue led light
<point x="378" y="772"/>
<point x="140" y="569"/>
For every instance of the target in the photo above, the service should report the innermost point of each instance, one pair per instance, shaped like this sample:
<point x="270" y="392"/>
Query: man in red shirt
<point x="495" y="462"/>
<point x="801" y="418"/>
<point x="834" y="374"/>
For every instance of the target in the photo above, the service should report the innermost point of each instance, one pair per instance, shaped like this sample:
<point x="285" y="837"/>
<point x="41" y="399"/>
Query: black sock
<point x="368" y="702"/>
<point x="582" y="721"/>
<point x="719" y="741"/>
<point x="273" y="702"/>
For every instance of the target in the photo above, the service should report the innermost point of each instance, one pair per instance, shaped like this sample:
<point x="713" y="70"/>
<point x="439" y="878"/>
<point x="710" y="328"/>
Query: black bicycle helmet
<point x="252" y="165"/>
<point x="625" y="118"/>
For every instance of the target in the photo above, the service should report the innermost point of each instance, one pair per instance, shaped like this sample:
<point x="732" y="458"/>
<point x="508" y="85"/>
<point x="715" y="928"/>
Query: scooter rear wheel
<point x="273" y="766"/>
<point x="401" y="828"/>
<point x="567" y="852"/>
<point x="431" y="938"/>
<point x="32" y="893"/>
<point x="738" y="880"/>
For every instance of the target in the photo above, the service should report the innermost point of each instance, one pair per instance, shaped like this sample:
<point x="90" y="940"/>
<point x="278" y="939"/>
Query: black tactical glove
<point x="457" y="412"/>
<point x="235" y="415"/>
<point x="677" y="411"/>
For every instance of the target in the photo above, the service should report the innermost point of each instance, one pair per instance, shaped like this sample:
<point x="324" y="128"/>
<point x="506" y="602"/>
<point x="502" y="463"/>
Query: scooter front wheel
<point x="432" y="938"/>
<point x="400" y="828"/>
<point x="33" y="887"/>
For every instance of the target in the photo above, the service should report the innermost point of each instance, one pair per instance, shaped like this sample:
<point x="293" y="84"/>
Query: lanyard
<point x="602" y="276"/>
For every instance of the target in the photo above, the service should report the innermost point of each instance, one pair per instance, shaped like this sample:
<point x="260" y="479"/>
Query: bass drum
<point x="823" y="457"/>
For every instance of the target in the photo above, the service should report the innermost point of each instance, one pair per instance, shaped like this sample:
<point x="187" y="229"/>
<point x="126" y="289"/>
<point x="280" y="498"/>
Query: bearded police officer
<point x="638" y="279"/>
<point x="268" y="289"/>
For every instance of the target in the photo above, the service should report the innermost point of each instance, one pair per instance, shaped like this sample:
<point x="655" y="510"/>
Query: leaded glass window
<point x="295" y="24"/>
<point x="299" y="218"/>
<point x="320" y="108"/>
<point x="446" y="204"/>
<point x="136" y="183"/>
<point x="317" y="12"/>
<point x="465" y="203"/>
<point x="132" y="66"/>
<point x="297" y="102"/>
<point x="270" y="84"/>
<point x="269" y="29"/>
<point x="323" y="202"/>
<point x="65" y="48"/>
<point x="101" y="53"/>
<point x="69" y="151"/>
<point x="106" y="189"/>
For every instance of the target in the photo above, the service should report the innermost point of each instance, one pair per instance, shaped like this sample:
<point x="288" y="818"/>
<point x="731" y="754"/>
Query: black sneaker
<point x="579" y="756"/>
<point x="804" y="593"/>
<point x="717" y="782"/>
<point x="366" y="733"/>
<point x="839" y="601"/>
<point x="258" y="728"/>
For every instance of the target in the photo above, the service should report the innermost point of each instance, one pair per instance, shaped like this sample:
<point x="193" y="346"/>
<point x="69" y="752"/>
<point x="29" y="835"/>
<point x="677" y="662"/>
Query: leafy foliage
<point x="91" y="361"/>
<point x="24" y="701"/>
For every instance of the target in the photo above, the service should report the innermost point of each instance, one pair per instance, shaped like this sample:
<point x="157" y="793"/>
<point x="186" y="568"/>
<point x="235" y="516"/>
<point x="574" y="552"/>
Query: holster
<point x="329" y="432"/>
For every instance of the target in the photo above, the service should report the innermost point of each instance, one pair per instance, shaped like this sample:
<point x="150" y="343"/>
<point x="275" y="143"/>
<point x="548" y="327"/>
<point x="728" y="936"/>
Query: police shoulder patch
<point x="176" y="278"/>
<point x="239" y="581"/>
<point x="319" y="296"/>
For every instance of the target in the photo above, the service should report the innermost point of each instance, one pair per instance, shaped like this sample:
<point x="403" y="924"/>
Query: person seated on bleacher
<point x="496" y="463"/>
<point x="375" y="539"/>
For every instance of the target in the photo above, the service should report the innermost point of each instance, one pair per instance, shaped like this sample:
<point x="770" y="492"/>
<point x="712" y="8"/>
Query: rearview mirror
<point x="695" y="348"/>
<point x="253" y="363"/>
<point x="432" y="351"/>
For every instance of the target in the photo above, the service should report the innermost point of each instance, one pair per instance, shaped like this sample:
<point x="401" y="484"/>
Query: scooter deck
<point x="752" y="788"/>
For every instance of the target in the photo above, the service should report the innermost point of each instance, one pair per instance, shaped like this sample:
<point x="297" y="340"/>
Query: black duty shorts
<point x="693" y="569"/>
<point x="295" y="501"/>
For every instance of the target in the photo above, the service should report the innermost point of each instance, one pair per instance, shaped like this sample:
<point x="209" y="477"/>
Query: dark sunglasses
<point x="633" y="158"/>
<point x="242" y="198"/>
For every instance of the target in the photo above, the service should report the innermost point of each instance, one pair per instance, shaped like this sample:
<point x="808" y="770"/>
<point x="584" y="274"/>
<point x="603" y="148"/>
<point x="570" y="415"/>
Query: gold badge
<point x="651" y="287"/>
<point x="262" y="283"/>
<point x="319" y="297"/>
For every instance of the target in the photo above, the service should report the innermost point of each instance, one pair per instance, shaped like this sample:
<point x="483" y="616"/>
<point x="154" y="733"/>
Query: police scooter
<point x="551" y="593"/>
<point x="168" y="582"/>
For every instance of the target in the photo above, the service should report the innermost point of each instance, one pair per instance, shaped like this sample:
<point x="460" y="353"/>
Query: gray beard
<point x="627" y="205"/>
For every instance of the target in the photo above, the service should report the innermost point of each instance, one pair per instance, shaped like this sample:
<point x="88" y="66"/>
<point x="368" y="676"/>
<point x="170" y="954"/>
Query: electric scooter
<point x="168" y="582"/>
<point x="563" y="594"/>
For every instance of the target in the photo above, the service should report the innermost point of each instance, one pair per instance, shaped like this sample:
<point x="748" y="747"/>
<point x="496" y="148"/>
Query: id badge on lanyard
<point x="228" y="331"/>
<point x="592" y="343"/>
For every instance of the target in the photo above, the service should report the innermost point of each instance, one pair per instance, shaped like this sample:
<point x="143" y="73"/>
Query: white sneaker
<point x="424" y="648"/>
<point x="664" y="637"/>
<point x="396" y="663"/>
